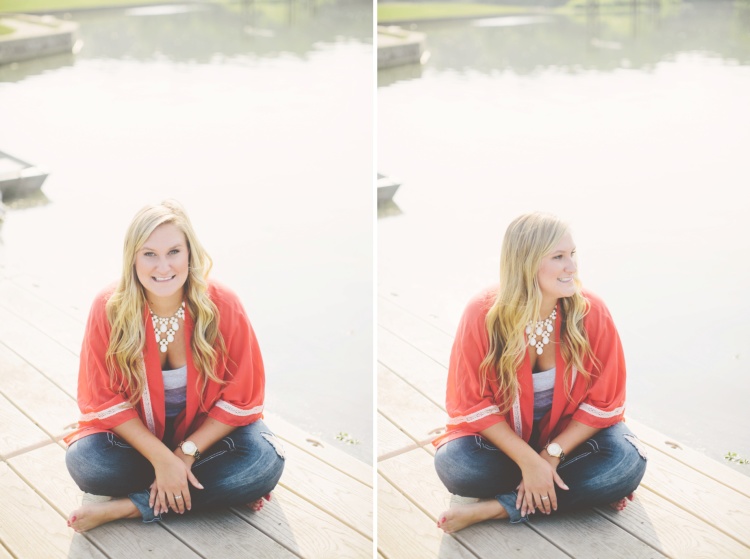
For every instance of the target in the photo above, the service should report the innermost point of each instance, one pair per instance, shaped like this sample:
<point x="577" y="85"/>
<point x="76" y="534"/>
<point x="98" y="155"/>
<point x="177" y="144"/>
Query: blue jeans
<point x="604" y="469"/>
<point x="239" y="469"/>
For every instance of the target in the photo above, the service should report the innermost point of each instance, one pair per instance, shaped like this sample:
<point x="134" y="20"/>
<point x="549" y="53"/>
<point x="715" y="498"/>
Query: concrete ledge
<point x="397" y="46"/>
<point x="36" y="36"/>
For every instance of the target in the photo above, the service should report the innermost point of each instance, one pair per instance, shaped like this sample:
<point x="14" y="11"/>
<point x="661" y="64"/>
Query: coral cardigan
<point x="237" y="402"/>
<point x="472" y="409"/>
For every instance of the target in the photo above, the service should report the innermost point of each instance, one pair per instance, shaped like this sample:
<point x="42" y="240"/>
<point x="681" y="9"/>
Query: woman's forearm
<point x="504" y="438"/>
<point x="139" y="437"/>
<point x="209" y="433"/>
<point x="575" y="434"/>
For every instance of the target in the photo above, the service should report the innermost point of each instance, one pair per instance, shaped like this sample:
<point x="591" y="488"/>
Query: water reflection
<point x="634" y="127"/>
<point x="265" y="137"/>
<point x="599" y="40"/>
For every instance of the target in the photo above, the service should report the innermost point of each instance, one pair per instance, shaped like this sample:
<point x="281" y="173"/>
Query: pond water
<point x="635" y="127"/>
<point x="258" y="118"/>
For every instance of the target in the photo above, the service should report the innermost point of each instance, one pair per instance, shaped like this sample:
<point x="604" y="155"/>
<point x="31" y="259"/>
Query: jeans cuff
<point x="140" y="500"/>
<point x="508" y="501"/>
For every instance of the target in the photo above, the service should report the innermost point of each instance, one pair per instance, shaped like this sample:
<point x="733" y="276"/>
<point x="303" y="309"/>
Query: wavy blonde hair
<point x="125" y="308"/>
<point x="528" y="239"/>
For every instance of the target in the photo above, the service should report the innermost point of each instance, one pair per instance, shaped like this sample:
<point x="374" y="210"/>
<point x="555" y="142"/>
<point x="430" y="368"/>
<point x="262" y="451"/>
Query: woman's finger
<point x="559" y="481"/>
<point x="152" y="496"/>
<point x="179" y="503"/>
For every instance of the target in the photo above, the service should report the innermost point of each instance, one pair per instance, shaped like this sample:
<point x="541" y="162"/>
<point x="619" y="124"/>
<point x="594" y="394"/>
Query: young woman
<point x="536" y="391"/>
<point x="170" y="387"/>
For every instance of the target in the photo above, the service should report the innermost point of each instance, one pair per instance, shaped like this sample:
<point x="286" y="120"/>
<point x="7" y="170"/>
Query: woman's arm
<point x="574" y="435"/>
<point x="172" y="474"/>
<point x="538" y="476"/>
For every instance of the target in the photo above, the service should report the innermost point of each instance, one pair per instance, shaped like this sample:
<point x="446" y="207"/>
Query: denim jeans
<point x="604" y="469"/>
<point x="239" y="469"/>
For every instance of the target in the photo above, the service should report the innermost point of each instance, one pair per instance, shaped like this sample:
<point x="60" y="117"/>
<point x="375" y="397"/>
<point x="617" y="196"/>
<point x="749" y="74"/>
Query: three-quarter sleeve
<point x="102" y="406"/>
<point x="241" y="399"/>
<point x="604" y="403"/>
<point x="470" y="403"/>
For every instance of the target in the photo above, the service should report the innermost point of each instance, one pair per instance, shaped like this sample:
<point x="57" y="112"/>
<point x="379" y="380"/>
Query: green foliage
<point x="732" y="457"/>
<point x="416" y="11"/>
<point x="22" y="6"/>
<point x="5" y="30"/>
<point x="345" y="438"/>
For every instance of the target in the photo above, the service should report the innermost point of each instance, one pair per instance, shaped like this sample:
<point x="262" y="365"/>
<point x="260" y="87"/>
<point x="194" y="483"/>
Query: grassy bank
<point x="390" y="12"/>
<point x="61" y="5"/>
<point x="5" y="30"/>
<point x="407" y="11"/>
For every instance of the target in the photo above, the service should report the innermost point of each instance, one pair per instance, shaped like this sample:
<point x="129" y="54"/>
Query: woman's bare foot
<point x="257" y="505"/>
<point x="459" y="517"/>
<point x="91" y="515"/>
<point x="622" y="503"/>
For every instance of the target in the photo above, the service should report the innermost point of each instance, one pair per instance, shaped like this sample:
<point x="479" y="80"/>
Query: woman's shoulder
<point x="100" y="299"/>
<point x="225" y="299"/>
<point x="481" y="303"/>
<point x="597" y="307"/>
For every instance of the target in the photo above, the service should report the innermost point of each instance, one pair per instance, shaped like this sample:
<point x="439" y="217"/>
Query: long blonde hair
<point x="125" y="308"/>
<point x="528" y="239"/>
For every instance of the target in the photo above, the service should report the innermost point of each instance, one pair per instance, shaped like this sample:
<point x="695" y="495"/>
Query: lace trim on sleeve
<point x="596" y="412"/>
<point x="104" y="414"/>
<point x="476" y="416"/>
<point x="234" y="410"/>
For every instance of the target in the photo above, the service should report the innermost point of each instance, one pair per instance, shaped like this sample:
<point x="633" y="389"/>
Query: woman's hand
<point x="537" y="487"/>
<point x="170" y="488"/>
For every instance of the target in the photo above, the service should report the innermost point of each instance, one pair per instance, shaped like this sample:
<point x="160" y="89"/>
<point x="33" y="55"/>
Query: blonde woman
<point x="170" y="387"/>
<point x="536" y="391"/>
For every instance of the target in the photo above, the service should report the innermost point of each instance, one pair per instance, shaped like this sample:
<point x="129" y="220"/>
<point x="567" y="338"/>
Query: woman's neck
<point x="165" y="306"/>
<point x="546" y="309"/>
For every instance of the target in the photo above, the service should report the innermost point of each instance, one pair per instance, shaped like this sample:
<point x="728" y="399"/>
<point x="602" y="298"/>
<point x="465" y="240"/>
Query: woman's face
<point x="162" y="263"/>
<point x="558" y="269"/>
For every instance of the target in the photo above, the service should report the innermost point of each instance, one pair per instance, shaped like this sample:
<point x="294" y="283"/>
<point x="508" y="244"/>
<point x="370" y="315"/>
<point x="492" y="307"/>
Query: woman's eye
<point x="174" y="251"/>
<point x="148" y="254"/>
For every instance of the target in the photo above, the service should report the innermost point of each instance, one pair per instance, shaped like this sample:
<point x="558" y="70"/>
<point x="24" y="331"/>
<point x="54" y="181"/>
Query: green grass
<point x="5" y="30"/>
<point x="22" y="6"/>
<point x="406" y="11"/>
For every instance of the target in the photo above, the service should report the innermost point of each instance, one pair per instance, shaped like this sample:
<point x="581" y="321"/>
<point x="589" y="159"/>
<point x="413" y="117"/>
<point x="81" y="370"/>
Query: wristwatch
<point x="555" y="450"/>
<point x="188" y="448"/>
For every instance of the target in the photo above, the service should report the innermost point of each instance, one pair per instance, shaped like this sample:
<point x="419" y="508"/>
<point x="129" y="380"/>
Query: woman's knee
<point x="103" y="464"/>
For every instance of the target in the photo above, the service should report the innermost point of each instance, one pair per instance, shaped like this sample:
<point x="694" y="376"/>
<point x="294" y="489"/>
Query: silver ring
<point x="544" y="497"/>
<point x="178" y="496"/>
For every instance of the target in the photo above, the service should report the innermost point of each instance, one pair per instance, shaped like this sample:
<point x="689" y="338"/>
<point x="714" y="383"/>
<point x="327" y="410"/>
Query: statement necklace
<point x="542" y="330"/>
<point x="167" y="326"/>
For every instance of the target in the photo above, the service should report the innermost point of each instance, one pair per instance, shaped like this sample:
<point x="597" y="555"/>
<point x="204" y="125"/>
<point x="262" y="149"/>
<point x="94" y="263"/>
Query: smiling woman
<point x="536" y="391"/>
<point x="171" y="387"/>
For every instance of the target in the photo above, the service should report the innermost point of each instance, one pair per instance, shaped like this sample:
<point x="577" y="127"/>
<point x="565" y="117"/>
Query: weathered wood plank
<point x="29" y="527"/>
<point x="56" y="362"/>
<point x="414" y="475"/>
<point x="305" y="529"/>
<point x="425" y="374"/>
<point x="210" y="531"/>
<point x="699" y="494"/>
<point x="691" y="458"/>
<point x="47" y="319"/>
<point x="41" y="400"/>
<point x="341" y="496"/>
<point x="572" y="532"/>
<point x="430" y="340"/>
<point x="44" y="470"/>
<point x="417" y="416"/>
<point x="405" y="532"/>
<point x="672" y="530"/>
<point x="333" y="457"/>
<point x="18" y="430"/>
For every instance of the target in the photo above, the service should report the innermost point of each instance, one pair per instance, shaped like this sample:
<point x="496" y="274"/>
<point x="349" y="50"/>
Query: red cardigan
<point x="237" y="402"/>
<point x="472" y="410"/>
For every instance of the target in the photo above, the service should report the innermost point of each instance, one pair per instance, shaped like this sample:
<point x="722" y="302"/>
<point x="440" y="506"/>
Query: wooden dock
<point x="687" y="505"/>
<point x="322" y="507"/>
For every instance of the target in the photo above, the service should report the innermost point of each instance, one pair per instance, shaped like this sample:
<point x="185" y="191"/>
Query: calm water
<point x="636" y="129"/>
<point x="258" y="117"/>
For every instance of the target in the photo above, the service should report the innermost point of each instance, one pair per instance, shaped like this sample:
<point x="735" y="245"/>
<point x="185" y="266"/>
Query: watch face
<point x="554" y="449"/>
<point x="188" y="447"/>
